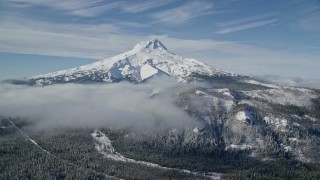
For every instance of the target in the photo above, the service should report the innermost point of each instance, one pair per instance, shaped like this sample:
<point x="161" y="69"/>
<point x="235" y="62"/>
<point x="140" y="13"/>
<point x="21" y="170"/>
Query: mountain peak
<point x="147" y="59"/>
<point x="153" y="44"/>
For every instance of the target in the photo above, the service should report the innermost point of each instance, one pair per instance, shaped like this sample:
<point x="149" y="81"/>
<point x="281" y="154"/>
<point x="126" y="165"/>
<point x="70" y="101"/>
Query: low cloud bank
<point x="283" y="81"/>
<point x="102" y="105"/>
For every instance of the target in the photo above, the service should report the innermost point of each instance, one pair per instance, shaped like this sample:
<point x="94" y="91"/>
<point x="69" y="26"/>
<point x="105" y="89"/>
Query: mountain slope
<point x="145" y="60"/>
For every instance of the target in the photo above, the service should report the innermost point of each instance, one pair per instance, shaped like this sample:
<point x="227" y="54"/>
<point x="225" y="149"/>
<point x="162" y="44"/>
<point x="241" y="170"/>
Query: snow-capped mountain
<point x="145" y="60"/>
<point x="239" y="121"/>
<point x="247" y="115"/>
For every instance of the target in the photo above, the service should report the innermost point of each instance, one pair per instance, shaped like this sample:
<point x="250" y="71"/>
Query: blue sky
<point x="258" y="37"/>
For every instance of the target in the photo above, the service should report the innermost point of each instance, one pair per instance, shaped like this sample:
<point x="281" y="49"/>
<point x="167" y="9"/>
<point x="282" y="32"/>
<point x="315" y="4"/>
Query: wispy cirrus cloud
<point x="104" y="40"/>
<point x="248" y="23"/>
<point x="184" y="13"/>
<point x="85" y="8"/>
<point x="90" y="8"/>
<point x="141" y="6"/>
<point x="245" y="26"/>
<point x="59" y="39"/>
<point x="247" y="19"/>
<point x="306" y="16"/>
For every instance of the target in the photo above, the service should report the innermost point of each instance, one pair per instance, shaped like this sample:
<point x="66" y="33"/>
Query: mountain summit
<point x="147" y="59"/>
<point x="153" y="44"/>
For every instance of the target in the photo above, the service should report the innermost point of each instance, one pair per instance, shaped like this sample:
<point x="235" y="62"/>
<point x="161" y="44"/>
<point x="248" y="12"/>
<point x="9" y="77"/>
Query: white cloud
<point x="127" y="24"/>
<point x="290" y="81"/>
<point x="105" y="40"/>
<point x="247" y="19"/>
<point x="141" y="6"/>
<point x="184" y="13"/>
<point x="86" y="8"/>
<point x="245" y="58"/>
<point x="90" y="8"/>
<point x="248" y="23"/>
<point x="306" y="16"/>
<point x="112" y="105"/>
<point x="71" y="40"/>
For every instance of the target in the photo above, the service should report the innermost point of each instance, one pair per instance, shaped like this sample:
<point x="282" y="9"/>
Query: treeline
<point x="21" y="159"/>
<point x="233" y="164"/>
<point x="72" y="156"/>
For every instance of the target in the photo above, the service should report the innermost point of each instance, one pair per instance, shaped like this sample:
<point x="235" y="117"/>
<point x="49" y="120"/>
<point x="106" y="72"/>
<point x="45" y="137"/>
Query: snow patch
<point x="293" y="139"/>
<point x="195" y="130"/>
<point x="280" y="124"/>
<point x="262" y="84"/>
<point x="245" y="116"/>
<point x="239" y="146"/>
<point x="103" y="145"/>
<point x="286" y="148"/>
<point x="310" y="118"/>
<point x="147" y="71"/>
<point x="224" y="91"/>
<point x="296" y="124"/>
<point x="198" y="92"/>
